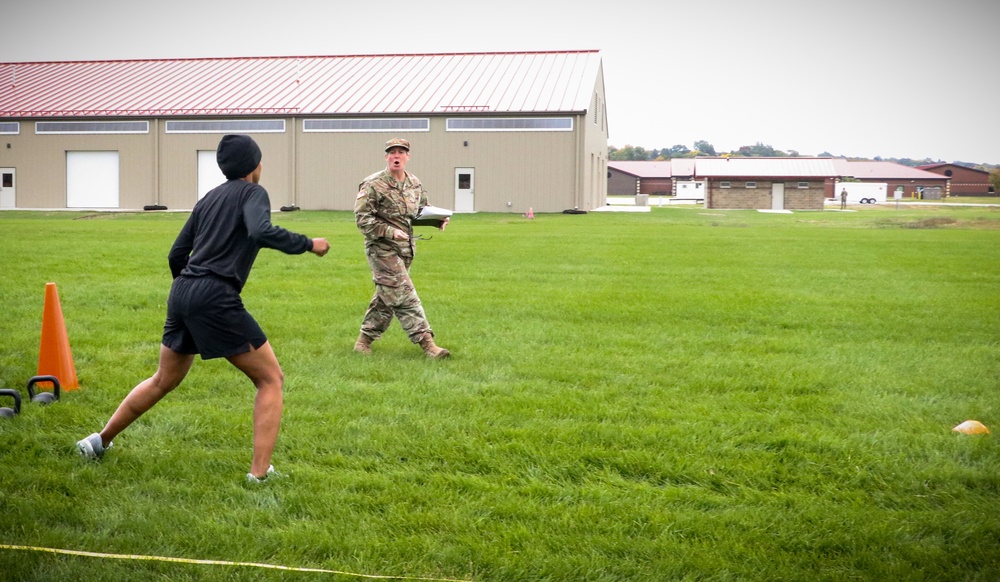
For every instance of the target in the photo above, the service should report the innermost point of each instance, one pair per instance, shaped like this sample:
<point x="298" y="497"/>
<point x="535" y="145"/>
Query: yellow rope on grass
<point x="218" y="563"/>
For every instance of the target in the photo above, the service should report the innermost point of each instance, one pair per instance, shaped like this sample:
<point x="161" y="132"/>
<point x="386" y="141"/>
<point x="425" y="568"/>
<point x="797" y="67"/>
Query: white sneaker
<point x="271" y="473"/>
<point x="92" y="447"/>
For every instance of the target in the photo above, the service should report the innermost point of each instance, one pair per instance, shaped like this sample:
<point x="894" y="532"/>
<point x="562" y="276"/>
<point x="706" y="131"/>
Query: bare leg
<point x="172" y="369"/>
<point x="261" y="366"/>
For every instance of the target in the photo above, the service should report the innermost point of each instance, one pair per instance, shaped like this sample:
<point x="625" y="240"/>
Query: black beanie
<point x="238" y="155"/>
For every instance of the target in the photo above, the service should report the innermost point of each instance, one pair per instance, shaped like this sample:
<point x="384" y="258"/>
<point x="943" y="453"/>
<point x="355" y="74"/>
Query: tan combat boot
<point x="432" y="350"/>
<point x="363" y="345"/>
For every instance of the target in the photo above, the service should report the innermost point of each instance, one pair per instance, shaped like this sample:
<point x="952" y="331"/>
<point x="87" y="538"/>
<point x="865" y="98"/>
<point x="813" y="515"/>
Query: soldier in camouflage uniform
<point x="386" y="203"/>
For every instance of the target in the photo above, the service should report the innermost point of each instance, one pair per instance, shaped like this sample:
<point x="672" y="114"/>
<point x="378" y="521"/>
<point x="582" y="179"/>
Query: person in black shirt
<point x="210" y="261"/>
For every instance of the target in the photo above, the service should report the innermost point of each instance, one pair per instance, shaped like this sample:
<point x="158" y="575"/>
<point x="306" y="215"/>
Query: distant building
<point x="965" y="181"/>
<point x="765" y="183"/>
<point x="631" y="178"/>
<point x="658" y="178"/>
<point x="910" y="181"/>
<point x="494" y="132"/>
<point x="747" y="183"/>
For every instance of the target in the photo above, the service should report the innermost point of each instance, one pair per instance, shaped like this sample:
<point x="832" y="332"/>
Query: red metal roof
<point x="881" y="171"/>
<point x="930" y="167"/>
<point x="772" y="167"/>
<point x="642" y="169"/>
<point x="682" y="167"/>
<point x="513" y="82"/>
<point x="765" y="167"/>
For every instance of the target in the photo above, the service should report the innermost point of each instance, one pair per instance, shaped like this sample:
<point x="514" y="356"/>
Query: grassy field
<point x="680" y="395"/>
<point x="969" y="200"/>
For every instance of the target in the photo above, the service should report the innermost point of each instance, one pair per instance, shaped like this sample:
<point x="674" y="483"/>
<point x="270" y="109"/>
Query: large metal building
<point x="492" y="132"/>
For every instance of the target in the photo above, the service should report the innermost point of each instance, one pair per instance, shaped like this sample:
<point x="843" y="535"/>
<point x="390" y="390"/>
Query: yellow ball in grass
<point x="972" y="427"/>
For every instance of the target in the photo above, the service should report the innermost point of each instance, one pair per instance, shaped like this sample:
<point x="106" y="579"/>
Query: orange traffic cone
<point x="54" y="356"/>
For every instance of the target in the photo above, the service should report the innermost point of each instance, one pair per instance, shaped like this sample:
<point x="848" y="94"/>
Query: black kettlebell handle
<point x="36" y="379"/>
<point x="17" y="398"/>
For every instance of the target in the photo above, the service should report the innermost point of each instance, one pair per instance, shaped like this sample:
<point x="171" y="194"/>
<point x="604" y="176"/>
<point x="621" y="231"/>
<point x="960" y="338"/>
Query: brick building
<point x="765" y="183"/>
<point x="965" y="181"/>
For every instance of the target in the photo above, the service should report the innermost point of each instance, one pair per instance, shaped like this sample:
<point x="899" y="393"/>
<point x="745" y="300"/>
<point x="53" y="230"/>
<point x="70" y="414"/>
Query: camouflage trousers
<point x="394" y="296"/>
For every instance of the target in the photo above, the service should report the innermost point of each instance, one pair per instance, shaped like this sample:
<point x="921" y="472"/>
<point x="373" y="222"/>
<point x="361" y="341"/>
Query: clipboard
<point x="431" y="216"/>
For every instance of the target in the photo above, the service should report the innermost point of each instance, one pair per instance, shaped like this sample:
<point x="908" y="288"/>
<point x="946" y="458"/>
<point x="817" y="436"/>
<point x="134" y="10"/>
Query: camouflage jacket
<point x="383" y="204"/>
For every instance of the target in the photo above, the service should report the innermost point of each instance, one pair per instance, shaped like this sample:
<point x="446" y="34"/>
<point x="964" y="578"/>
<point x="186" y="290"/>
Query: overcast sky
<point x="888" y="78"/>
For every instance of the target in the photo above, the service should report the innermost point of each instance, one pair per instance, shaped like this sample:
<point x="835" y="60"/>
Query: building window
<point x="62" y="127"/>
<point x="725" y="185"/>
<point x="10" y="127"/>
<point x="948" y="173"/>
<point x="803" y="184"/>
<point x="365" y="125"/>
<point x="227" y="126"/>
<point x="509" y="124"/>
<point x="751" y="184"/>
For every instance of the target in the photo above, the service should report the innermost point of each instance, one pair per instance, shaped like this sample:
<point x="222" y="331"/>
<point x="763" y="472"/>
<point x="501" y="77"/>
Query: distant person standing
<point x="210" y="261"/>
<point x="386" y="205"/>
<point x="843" y="199"/>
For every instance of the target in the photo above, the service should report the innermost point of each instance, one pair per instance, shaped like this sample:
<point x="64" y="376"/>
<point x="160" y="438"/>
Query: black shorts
<point x="206" y="316"/>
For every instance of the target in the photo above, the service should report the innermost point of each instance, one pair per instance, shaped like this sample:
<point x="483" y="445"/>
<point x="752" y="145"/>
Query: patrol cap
<point x="397" y="142"/>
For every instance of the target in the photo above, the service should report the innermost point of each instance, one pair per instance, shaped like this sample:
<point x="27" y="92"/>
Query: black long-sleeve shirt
<point x="225" y="231"/>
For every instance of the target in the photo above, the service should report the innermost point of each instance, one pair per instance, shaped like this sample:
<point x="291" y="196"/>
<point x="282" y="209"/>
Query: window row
<point x="752" y="185"/>
<point x="353" y="125"/>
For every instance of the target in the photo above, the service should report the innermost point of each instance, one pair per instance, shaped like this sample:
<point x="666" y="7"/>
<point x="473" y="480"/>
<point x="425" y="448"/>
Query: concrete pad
<point x="621" y="209"/>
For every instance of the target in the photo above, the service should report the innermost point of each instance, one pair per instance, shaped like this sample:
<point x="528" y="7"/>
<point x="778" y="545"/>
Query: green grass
<point x="686" y="394"/>
<point x="970" y="200"/>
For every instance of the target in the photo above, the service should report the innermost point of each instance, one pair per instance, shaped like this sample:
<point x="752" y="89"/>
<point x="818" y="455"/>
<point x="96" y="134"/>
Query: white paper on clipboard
<point x="431" y="216"/>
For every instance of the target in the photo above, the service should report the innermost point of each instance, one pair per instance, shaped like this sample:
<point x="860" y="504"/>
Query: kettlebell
<point x="10" y="412"/>
<point x="43" y="397"/>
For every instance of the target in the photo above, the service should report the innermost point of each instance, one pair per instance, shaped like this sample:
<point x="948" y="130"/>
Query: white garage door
<point x="91" y="179"/>
<point x="209" y="174"/>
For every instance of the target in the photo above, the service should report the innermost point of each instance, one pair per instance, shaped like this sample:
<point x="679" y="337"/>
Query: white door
<point x="7" y="197"/>
<point x="465" y="189"/>
<point x="91" y="179"/>
<point x="778" y="196"/>
<point x="209" y="174"/>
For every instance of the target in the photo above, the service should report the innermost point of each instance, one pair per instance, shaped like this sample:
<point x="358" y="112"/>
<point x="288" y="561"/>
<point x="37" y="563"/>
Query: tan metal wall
<point x="594" y="185"/>
<point x="178" y="167"/>
<point x="40" y="164"/>
<point x="525" y="168"/>
<point x="514" y="170"/>
<point x="329" y="166"/>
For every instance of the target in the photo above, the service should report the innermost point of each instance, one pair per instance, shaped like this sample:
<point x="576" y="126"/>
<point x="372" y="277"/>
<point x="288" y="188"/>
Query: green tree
<point x="760" y="150"/>
<point x="627" y="153"/>
<point x="679" y="151"/>
<point x="705" y="147"/>
<point x="995" y="178"/>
